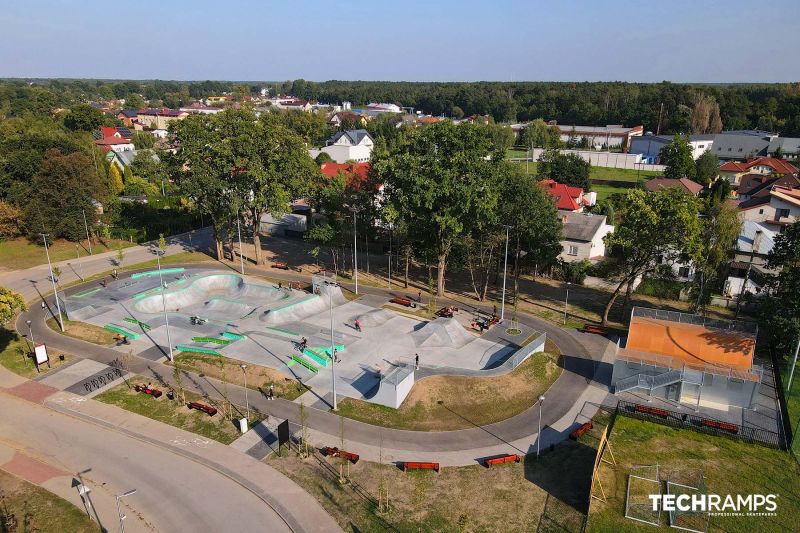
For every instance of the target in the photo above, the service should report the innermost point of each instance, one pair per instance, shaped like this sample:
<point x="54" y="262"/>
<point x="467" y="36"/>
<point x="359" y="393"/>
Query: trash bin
<point x="243" y="425"/>
<point x="61" y="357"/>
<point x="170" y="395"/>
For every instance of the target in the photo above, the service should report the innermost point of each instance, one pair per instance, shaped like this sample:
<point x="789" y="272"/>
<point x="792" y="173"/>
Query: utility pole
<point x="121" y="515"/>
<point x="660" y="112"/>
<point x="85" y="225"/>
<point x="163" y="302"/>
<point x="53" y="279"/>
<point x="355" y="249"/>
<point x="505" y="271"/>
<point x="539" y="435"/>
<point x="239" y="229"/>
<point x="333" y="349"/>
<point x="791" y="374"/>
<point x="755" y="244"/>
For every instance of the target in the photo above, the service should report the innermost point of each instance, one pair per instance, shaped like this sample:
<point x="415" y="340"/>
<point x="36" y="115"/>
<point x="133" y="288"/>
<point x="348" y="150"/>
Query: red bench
<point x="336" y="452"/>
<point x="510" y="458"/>
<point x="447" y="312"/>
<point x="202" y="407"/>
<point x="155" y="393"/>
<point x="402" y="301"/>
<point x="281" y="265"/>
<point x="575" y="435"/>
<point x="415" y="465"/>
<point x="733" y="428"/>
<point x="597" y="330"/>
<point x="652" y="411"/>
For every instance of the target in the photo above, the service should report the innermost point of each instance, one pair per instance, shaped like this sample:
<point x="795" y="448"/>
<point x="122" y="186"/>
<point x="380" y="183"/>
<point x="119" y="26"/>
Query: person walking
<point x="357" y="324"/>
<point x="416" y="362"/>
<point x="419" y="296"/>
<point x="271" y="393"/>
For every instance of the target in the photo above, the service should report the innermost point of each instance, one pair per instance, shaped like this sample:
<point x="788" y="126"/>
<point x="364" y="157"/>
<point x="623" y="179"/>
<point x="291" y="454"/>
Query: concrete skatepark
<point x="250" y="319"/>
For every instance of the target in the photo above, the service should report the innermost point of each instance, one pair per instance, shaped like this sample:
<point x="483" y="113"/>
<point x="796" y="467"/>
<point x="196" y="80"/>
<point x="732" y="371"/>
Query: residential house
<point x="649" y="146"/>
<point x="754" y="243"/>
<point x="582" y="236"/>
<point x="741" y="145"/>
<point x="733" y="171"/>
<point x="159" y="119"/>
<point x="777" y="211"/>
<point x="125" y="158"/>
<point x="127" y="116"/>
<point x="357" y="174"/>
<point x="684" y="184"/>
<point x="350" y="145"/>
<point x="759" y="185"/>
<point x="337" y="119"/>
<point x="789" y="147"/>
<point x="568" y="198"/>
<point x="613" y="135"/>
<point x="199" y="108"/>
<point x="221" y="99"/>
<point x="376" y="108"/>
<point x="117" y="144"/>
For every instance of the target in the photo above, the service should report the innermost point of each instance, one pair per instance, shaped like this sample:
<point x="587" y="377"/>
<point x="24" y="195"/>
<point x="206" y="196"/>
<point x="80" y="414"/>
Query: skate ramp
<point x="224" y="295"/>
<point x="442" y="333"/>
<point x="298" y="311"/>
<point x="376" y="317"/>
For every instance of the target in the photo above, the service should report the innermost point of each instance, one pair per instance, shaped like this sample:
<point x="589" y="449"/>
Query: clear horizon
<point x="572" y="41"/>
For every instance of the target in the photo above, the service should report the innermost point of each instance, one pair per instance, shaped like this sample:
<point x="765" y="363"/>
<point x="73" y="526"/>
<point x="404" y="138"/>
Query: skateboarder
<point x="357" y="324"/>
<point x="303" y="344"/>
<point x="271" y="393"/>
<point x="416" y="362"/>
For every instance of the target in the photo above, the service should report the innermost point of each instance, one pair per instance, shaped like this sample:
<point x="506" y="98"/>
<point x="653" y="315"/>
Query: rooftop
<point x="656" y="184"/>
<point x="580" y="227"/>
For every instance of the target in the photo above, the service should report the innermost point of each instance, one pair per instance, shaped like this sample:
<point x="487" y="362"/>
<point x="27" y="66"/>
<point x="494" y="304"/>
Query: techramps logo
<point x="716" y="504"/>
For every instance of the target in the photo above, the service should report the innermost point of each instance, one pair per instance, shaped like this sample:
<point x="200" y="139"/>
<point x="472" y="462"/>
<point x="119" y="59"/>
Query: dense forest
<point x="774" y="107"/>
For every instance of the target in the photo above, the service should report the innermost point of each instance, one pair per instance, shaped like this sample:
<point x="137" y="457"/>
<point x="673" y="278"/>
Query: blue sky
<point x="445" y="40"/>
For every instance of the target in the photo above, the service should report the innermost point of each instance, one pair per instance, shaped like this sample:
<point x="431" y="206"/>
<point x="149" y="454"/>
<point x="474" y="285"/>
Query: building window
<point x="780" y="213"/>
<point x="573" y="250"/>
<point x="760" y="211"/>
<point x="683" y="272"/>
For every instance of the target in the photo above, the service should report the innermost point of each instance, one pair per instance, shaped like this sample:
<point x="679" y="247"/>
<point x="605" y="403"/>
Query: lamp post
<point x="241" y="257"/>
<point x="566" y="299"/>
<point x="246" y="401"/>
<point x="333" y="350"/>
<point x="539" y="434"/>
<point x="390" y="255"/>
<point x="355" y="249"/>
<point x="119" y="509"/>
<point x="159" y="253"/>
<point x="505" y="271"/>
<point x="53" y="279"/>
<point x="30" y="334"/>
<point x="85" y="225"/>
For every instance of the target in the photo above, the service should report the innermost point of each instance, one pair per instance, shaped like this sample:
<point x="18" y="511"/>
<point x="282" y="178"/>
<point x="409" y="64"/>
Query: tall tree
<point x="719" y="228"/>
<point x="11" y="303"/>
<point x="83" y="117"/>
<point x="569" y="169"/>
<point x="656" y="225"/>
<point x="441" y="179"/>
<point x="780" y="313"/>
<point x="706" y="168"/>
<point x="677" y="156"/>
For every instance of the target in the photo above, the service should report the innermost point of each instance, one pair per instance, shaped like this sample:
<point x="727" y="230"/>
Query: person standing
<point x="271" y="393"/>
<point x="357" y="324"/>
<point x="416" y="362"/>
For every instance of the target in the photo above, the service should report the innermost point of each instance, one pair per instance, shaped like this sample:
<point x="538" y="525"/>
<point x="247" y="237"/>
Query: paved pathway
<point x="46" y="435"/>
<point x="572" y="398"/>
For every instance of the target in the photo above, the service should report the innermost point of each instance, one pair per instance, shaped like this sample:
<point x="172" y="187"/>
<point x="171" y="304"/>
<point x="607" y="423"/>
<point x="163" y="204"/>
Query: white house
<point x="583" y="235"/>
<point x="649" y="146"/>
<point x="780" y="209"/>
<point x="351" y="145"/>
<point x="753" y="244"/>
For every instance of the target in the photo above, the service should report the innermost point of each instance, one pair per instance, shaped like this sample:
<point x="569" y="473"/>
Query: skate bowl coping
<point x="176" y="270"/>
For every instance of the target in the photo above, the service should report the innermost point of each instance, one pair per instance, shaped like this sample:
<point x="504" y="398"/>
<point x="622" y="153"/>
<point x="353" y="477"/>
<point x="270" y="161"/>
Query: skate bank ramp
<point x="442" y="333"/>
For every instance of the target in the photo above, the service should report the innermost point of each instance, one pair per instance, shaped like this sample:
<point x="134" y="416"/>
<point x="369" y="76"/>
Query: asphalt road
<point x="173" y="493"/>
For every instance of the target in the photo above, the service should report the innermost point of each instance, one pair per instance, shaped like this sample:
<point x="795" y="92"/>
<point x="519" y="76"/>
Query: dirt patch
<point x="84" y="331"/>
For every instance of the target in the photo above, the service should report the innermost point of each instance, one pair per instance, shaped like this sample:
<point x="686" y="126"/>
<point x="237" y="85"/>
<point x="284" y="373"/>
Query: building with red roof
<point x="567" y="198"/>
<point x="357" y="174"/>
<point x="733" y="171"/>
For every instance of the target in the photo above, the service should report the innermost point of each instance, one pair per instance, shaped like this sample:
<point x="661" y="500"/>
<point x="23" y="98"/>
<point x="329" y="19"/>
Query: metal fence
<point x="701" y="424"/>
<point x="741" y="326"/>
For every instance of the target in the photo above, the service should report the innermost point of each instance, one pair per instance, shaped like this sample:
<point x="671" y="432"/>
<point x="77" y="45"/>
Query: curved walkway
<point x="571" y="399"/>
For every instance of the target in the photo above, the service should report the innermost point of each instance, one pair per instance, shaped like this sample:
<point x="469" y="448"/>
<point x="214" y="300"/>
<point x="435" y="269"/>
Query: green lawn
<point x="621" y="174"/>
<point x="604" y="191"/>
<point x="37" y="509"/>
<point x="513" y="152"/>
<point x="792" y="399"/>
<point x="16" y="254"/>
<point x="14" y="355"/>
<point x="173" y="412"/>
<point x="729" y="467"/>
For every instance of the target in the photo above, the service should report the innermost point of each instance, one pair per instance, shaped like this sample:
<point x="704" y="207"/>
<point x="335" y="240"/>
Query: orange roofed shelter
<point x="689" y="359"/>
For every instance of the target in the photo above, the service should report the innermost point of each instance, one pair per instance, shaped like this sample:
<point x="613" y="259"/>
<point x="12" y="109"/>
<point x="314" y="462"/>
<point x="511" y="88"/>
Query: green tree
<point x="312" y="128"/>
<point x="780" y="313"/>
<point x="11" y="303"/>
<point x="134" y="101"/>
<point x="323" y="157"/>
<point x="143" y="140"/>
<point x="83" y="117"/>
<point x="656" y="225"/>
<point x="719" y="228"/>
<point x="538" y="134"/>
<point x="569" y="169"/>
<point x="707" y="168"/>
<point x="441" y="180"/>
<point x="677" y="156"/>
<point x="457" y="112"/>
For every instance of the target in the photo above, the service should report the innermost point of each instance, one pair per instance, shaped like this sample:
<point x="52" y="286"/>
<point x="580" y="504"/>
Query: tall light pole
<point x="539" y="435"/>
<point x="246" y="401"/>
<point x="333" y="349"/>
<point x="390" y="255"/>
<point x="355" y="248"/>
<point x="505" y="271"/>
<point x="53" y="279"/>
<point x="794" y="364"/>
<point x="159" y="252"/>
<point x="122" y="516"/>
<point x="566" y="299"/>
<point x="85" y="225"/>
<point x="30" y="333"/>
<point x="241" y="257"/>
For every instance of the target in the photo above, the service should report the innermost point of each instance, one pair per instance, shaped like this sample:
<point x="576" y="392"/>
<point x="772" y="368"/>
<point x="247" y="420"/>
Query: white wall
<point x="343" y="154"/>
<point x="607" y="159"/>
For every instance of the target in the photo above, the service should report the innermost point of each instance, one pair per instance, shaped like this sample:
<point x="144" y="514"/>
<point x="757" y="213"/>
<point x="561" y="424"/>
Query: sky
<point x="411" y="40"/>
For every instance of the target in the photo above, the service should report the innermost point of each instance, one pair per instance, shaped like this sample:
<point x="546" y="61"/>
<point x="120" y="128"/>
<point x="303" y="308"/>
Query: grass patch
<point x="180" y="259"/>
<point x="84" y="331"/>
<point x="37" y="509"/>
<point x="442" y="403"/>
<point x="622" y="174"/>
<point x="604" y="191"/>
<point x="174" y="412"/>
<point x="257" y="376"/>
<point x="509" y="497"/>
<point x="729" y="467"/>
<point x="14" y="355"/>
<point x="792" y="398"/>
<point x="16" y="254"/>
<point x="512" y="153"/>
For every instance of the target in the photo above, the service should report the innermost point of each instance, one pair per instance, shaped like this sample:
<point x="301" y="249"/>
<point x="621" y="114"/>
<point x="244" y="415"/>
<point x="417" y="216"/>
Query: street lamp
<point x="119" y="510"/>
<point x="53" y="279"/>
<point x="159" y="253"/>
<point x="246" y="401"/>
<point x="566" y="299"/>
<point x="30" y="333"/>
<point x="333" y="349"/>
<point x="88" y="239"/>
<point x="539" y="435"/>
<point x="355" y="249"/>
<point x="505" y="271"/>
